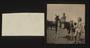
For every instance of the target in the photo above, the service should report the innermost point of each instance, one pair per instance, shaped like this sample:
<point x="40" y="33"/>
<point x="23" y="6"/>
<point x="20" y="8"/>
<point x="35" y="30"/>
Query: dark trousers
<point x="56" y="27"/>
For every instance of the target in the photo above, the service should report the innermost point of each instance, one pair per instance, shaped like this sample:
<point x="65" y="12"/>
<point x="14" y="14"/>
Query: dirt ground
<point x="60" y="37"/>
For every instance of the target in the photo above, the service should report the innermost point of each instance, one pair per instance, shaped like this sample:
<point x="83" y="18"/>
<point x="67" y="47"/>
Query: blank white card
<point x="23" y="24"/>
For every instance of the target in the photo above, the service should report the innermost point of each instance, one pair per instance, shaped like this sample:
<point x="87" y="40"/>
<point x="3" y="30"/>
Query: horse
<point x="50" y="24"/>
<point x="67" y="26"/>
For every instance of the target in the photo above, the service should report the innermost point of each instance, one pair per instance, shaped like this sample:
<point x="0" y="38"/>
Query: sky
<point x="72" y="11"/>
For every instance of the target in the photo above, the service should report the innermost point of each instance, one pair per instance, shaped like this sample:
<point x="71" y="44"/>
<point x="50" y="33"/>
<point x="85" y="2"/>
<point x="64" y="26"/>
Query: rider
<point x="63" y="20"/>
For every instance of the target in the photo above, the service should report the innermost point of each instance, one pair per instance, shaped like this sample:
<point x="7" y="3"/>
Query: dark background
<point x="15" y="6"/>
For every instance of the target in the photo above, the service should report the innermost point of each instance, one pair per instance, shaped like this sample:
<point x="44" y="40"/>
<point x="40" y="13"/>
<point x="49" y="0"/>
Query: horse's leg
<point x="68" y="31"/>
<point x="59" y="25"/>
<point x="75" y="39"/>
<point x="51" y="27"/>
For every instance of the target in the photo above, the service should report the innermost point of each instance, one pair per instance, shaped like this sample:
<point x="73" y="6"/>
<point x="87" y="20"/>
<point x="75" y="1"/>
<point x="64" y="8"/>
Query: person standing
<point x="78" y="30"/>
<point x="56" y="22"/>
<point x="63" y="20"/>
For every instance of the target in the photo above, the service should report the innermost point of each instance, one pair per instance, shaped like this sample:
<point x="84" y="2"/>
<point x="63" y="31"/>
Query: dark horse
<point x="50" y="24"/>
<point x="67" y="26"/>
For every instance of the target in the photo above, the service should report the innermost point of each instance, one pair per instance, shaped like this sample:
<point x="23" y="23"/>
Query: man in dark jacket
<point x="56" y="23"/>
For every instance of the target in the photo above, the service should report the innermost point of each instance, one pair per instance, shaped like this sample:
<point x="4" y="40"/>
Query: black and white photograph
<point x="65" y="24"/>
